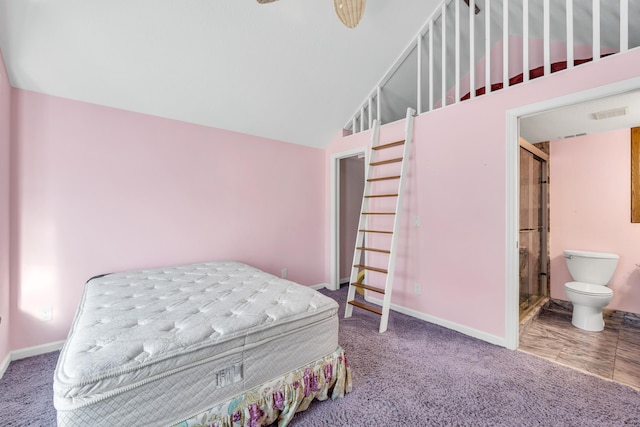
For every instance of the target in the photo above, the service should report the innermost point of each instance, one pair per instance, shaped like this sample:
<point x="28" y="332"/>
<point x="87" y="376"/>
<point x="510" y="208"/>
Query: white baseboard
<point x="321" y="286"/>
<point x="492" y="339"/>
<point x="23" y="353"/>
<point x="5" y="364"/>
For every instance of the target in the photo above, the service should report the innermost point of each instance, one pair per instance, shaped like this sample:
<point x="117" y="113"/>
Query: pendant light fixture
<point x="349" y="11"/>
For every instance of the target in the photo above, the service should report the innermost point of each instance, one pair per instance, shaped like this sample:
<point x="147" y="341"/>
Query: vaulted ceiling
<point x="288" y="70"/>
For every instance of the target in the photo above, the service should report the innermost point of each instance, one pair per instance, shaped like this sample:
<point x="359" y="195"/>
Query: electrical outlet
<point x="416" y="289"/>
<point x="284" y="273"/>
<point x="416" y="221"/>
<point x="45" y="314"/>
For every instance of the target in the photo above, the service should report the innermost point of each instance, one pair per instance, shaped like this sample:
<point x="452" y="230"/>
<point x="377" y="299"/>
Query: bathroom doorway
<point x="534" y="227"/>
<point x="543" y="122"/>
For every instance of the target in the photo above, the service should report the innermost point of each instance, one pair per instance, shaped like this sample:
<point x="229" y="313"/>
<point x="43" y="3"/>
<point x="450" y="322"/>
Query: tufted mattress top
<point x="135" y="327"/>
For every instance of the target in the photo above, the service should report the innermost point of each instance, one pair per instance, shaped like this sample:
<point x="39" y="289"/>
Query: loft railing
<point x="468" y="48"/>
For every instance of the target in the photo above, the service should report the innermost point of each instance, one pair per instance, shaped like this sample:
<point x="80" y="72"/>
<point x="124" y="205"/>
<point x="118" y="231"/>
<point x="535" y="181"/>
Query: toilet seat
<point x="588" y="289"/>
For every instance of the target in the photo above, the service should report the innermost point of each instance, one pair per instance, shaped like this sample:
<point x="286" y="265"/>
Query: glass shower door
<point x="533" y="229"/>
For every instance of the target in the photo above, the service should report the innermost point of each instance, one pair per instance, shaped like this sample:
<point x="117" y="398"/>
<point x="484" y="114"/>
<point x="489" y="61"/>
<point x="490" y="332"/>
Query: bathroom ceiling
<point x="579" y="119"/>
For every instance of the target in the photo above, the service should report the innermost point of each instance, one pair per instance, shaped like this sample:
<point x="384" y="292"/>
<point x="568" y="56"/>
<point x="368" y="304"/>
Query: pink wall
<point x="590" y="210"/>
<point x="99" y="190"/>
<point x="5" y="107"/>
<point x="457" y="188"/>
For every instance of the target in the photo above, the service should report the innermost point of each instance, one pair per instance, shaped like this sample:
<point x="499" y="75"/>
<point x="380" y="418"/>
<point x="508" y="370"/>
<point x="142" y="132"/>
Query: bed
<point x="209" y="344"/>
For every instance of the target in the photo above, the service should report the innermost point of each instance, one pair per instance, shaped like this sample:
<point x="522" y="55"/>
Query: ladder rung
<point x="378" y="213"/>
<point x="384" y="251"/>
<point x="389" y="145"/>
<point x="376" y="231"/>
<point x="367" y="287"/>
<point x="379" y="270"/>
<point x="381" y="195"/>
<point x="368" y="307"/>
<point x="385" y="162"/>
<point x="384" y="178"/>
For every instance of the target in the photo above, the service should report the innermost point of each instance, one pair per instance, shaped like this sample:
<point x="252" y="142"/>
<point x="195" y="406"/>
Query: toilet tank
<point x="591" y="267"/>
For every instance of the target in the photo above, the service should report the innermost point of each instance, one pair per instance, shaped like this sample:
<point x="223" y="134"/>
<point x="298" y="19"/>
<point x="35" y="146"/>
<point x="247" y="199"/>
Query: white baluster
<point x="431" y="86"/>
<point x="419" y="91"/>
<point x="525" y="40"/>
<point x="596" y="30"/>
<point x="378" y="112"/>
<point x="570" y="54"/>
<point x="487" y="47"/>
<point x="456" y="82"/>
<point x="546" y="39"/>
<point x="624" y="25"/>
<point x="505" y="44"/>
<point x="444" y="53"/>
<point x="472" y="48"/>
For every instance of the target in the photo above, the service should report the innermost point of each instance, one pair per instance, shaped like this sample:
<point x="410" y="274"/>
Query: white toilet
<point x="592" y="272"/>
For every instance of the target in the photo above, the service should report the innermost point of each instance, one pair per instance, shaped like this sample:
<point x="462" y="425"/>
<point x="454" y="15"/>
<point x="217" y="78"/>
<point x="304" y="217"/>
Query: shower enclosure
<point x="534" y="214"/>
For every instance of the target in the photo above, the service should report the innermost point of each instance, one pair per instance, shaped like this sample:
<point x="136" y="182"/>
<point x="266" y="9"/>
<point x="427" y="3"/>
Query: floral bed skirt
<point x="279" y="399"/>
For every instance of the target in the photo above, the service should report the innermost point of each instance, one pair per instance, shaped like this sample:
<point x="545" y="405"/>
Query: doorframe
<point x="512" y="168"/>
<point x="335" y="210"/>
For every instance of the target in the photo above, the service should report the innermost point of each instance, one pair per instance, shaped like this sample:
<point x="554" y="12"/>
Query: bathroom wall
<point x="590" y="210"/>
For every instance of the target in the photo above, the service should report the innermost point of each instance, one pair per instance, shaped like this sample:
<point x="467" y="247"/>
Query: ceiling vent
<point x="607" y="114"/>
<point x="573" y="136"/>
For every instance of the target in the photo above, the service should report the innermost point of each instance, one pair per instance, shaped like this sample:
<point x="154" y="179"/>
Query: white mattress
<point x="153" y="347"/>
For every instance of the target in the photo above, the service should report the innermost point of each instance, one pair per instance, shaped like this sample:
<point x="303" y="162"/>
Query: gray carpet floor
<point x="415" y="374"/>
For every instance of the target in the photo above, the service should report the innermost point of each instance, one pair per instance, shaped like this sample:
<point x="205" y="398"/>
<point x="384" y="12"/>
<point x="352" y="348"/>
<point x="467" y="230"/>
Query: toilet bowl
<point x="589" y="294"/>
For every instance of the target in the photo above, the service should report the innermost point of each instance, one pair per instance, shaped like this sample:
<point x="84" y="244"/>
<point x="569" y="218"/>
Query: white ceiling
<point x="288" y="70"/>
<point x="579" y="119"/>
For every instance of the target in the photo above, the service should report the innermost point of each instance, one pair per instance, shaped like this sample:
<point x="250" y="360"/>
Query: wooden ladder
<point x="384" y="169"/>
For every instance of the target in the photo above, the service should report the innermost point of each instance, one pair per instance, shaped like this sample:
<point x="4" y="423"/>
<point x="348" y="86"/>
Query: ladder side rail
<point x="386" y="303"/>
<point x="362" y="222"/>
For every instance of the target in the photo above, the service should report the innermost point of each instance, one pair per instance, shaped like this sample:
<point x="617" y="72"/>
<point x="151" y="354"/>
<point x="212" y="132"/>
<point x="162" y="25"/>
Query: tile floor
<point x="613" y="353"/>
